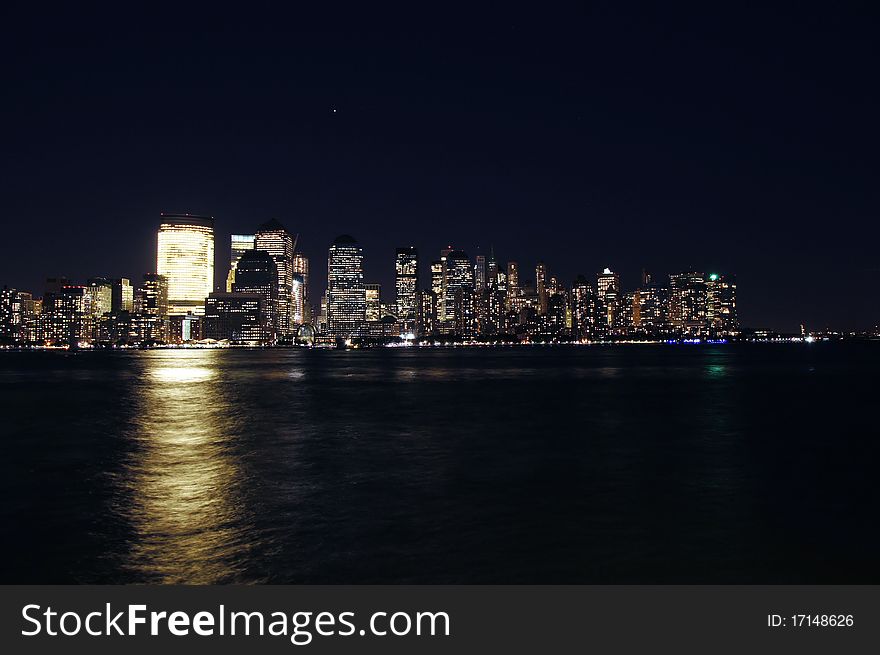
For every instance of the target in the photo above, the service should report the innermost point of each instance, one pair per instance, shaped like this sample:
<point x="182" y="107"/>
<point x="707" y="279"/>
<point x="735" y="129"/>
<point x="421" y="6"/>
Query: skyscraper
<point x="373" y="302"/>
<point x="541" y="286"/>
<point x="123" y="295"/>
<point x="459" y="305"/>
<point x="239" y="317"/>
<point x="406" y="268"/>
<point x="239" y="245"/>
<point x="721" y="309"/>
<point x="492" y="270"/>
<point x="426" y="316"/>
<point x="185" y="256"/>
<point x="12" y="316"/>
<point x="438" y="287"/>
<point x="479" y="273"/>
<point x="606" y="280"/>
<point x="75" y="314"/>
<point x="101" y="290"/>
<point x="346" y="298"/>
<point x="302" y="309"/>
<point x="688" y="303"/>
<point x="274" y="239"/>
<point x="583" y="307"/>
<point x="151" y="302"/>
<point x="257" y="274"/>
<point x="513" y="288"/>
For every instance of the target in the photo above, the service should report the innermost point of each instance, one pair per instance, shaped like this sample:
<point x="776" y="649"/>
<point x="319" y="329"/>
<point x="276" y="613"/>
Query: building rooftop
<point x="272" y="225"/>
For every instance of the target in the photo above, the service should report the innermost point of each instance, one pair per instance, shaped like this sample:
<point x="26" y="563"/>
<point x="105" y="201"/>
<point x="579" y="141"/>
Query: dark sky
<point x="726" y="138"/>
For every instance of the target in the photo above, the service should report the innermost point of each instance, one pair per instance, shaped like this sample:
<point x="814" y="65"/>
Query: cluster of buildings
<point x="481" y="300"/>
<point x="266" y="299"/>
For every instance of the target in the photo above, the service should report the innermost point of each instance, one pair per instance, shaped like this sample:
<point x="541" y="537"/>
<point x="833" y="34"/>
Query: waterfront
<point x="746" y="463"/>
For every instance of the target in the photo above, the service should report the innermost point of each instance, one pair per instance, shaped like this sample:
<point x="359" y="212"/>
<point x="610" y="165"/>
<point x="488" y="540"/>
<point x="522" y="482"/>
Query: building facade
<point x="272" y="237"/>
<point x="346" y="295"/>
<point x="185" y="256"/>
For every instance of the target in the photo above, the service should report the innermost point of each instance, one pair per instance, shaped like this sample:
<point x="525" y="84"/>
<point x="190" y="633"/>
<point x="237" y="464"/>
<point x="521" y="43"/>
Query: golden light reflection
<point x="184" y="479"/>
<point x="181" y="374"/>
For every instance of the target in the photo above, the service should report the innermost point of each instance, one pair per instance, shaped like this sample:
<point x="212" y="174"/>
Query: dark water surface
<point x="555" y="464"/>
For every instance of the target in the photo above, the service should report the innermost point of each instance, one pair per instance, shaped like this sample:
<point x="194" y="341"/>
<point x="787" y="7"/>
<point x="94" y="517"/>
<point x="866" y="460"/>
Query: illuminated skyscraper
<point x="373" y="302"/>
<point x="606" y="280"/>
<point x="688" y="303"/>
<point x="12" y="316"/>
<point x="492" y="271"/>
<point x="479" y="273"/>
<point x="274" y="239"/>
<point x="239" y="245"/>
<point x="513" y="289"/>
<point x="101" y="290"/>
<point x="438" y="286"/>
<point x="302" y="309"/>
<point x="721" y="305"/>
<point x="541" y="286"/>
<point x="239" y="317"/>
<point x="346" y="298"/>
<point x="123" y="295"/>
<point x="151" y="302"/>
<point x="582" y="308"/>
<point x="185" y="256"/>
<point x="426" y="316"/>
<point x="459" y="305"/>
<point x="75" y="313"/>
<point x="257" y="274"/>
<point x="406" y="268"/>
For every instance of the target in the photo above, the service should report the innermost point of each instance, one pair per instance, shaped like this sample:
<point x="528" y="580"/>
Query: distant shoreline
<point x="449" y="346"/>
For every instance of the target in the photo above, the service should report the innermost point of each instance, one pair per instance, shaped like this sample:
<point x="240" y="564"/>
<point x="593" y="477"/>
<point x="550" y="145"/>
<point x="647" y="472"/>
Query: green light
<point x="713" y="276"/>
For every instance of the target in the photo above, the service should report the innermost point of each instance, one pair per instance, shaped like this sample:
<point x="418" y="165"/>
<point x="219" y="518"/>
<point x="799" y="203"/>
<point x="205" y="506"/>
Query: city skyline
<point x="378" y="271"/>
<point x="606" y="142"/>
<point x="187" y="254"/>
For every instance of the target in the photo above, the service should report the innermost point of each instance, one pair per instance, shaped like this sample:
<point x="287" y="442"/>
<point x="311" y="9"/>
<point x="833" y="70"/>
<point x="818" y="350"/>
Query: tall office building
<point x="373" y="302"/>
<point x="101" y="290"/>
<point x="239" y="245"/>
<point x="12" y="316"/>
<point x="438" y="287"/>
<point x="541" y="286"/>
<point x="346" y="298"/>
<point x="606" y="280"/>
<point x="721" y="305"/>
<point x="185" y="256"/>
<point x="406" y="269"/>
<point x="426" y="316"/>
<point x="241" y="318"/>
<point x="688" y="303"/>
<point x="492" y="270"/>
<point x="513" y="289"/>
<point x="75" y="314"/>
<point x="274" y="239"/>
<point x="323" y="311"/>
<point x="650" y="310"/>
<point x="257" y="273"/>
<point x="480" y="273"/>
<point x="459" y="305"/>
<point x="122" y="299"/>
<point x="582" y="308"/>
<point x="302" y="309"/>
<point x="154" y="296"/>
<point x="151" y="303"/>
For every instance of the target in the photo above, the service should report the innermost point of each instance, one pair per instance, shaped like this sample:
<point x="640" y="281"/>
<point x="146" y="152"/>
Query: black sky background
<point x="739" y="139"/>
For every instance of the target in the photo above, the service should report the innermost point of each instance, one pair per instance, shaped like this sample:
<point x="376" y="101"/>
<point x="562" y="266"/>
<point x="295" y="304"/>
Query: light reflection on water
<point x="182" y="477"/>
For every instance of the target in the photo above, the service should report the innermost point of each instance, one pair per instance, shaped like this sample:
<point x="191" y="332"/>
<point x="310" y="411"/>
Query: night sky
<point x="730" y="139"/>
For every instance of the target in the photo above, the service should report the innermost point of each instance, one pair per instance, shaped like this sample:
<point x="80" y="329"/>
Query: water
<point x="643" y="464"/>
